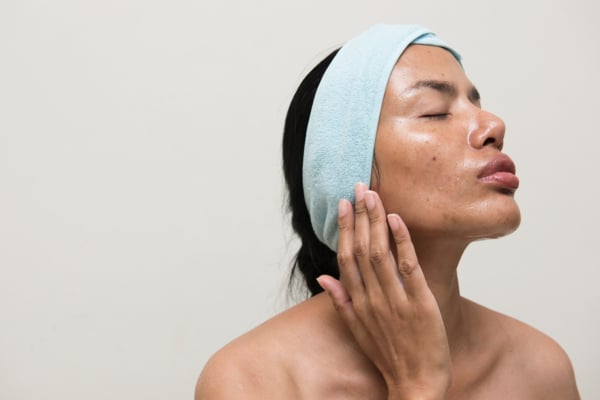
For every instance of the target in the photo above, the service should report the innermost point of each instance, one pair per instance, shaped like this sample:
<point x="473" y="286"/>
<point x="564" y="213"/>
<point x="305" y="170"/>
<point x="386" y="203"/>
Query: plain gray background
<point x="141" y="217"/>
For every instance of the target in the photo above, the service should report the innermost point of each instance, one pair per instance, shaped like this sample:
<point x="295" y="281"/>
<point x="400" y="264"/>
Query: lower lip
<point x="504" y="179"/>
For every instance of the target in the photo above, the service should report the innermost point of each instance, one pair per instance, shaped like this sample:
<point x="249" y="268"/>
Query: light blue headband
<point x="340" y="137"/>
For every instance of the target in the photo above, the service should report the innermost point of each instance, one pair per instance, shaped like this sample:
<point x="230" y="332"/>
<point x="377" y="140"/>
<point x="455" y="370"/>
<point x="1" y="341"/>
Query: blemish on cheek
<point x="434" y="158"/>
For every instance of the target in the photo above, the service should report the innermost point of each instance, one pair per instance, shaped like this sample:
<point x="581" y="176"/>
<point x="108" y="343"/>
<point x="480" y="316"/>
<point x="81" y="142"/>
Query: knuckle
<point x="343" y="259"/>
<point x="375" y="217"/>
<point x="378" y="307"/>
<point x="400" y="238"/>
<point x="361" y="305"/>
<point x="377" y="255"/>
<point x="343" y="225"/>
<point x="338" y="307"/>
<point x="360" y="208"/>
<point x="407" y="266"/>
<point x="360" y="248"/>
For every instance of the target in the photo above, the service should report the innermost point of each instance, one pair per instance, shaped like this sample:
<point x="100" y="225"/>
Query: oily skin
<point x="432" y="143"/>
<point x="430" y="147"/>
<point x="393" y="329"/>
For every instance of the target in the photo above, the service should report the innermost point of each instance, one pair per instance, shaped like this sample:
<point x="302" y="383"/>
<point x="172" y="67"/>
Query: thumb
<point x="339" y="297"/>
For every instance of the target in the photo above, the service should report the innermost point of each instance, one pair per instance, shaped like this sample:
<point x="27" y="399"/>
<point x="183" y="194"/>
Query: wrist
<point x="423" y="393"/>
<point x="398" y="396"/>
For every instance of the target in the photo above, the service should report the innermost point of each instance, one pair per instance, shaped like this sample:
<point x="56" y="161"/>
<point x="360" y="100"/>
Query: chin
<point x="492" y="221"/>
<point x="504" y="224"/>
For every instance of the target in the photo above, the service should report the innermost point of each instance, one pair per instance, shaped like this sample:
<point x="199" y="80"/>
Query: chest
<point x="351" y="380"/>
<point x="337" y="375"/>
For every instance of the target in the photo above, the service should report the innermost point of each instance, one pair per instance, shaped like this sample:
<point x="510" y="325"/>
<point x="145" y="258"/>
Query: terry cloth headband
<point x="340" y="136"/>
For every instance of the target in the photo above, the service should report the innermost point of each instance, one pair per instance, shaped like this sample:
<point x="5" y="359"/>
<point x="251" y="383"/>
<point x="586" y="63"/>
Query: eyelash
<point x="436" y="116"/>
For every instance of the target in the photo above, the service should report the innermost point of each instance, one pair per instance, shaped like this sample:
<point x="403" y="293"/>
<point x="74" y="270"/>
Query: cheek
<point x="416" y="168"/>
<point x="434" y="174"/>
<point x="422" y="175"/>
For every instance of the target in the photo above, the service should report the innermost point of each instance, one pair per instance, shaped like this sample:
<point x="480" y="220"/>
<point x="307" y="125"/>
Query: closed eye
<point x="436" y="116"/>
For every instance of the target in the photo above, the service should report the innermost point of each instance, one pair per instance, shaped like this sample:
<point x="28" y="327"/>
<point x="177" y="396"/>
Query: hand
<point x="386" y="302"/>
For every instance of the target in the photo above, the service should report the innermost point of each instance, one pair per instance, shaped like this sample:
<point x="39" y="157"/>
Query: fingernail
<point x="392" y="221"/>
<point x="320" y="281"/>
<point x="369" y="200"/>
<point x="341" y="208"/>
<point x="359" y="191"/>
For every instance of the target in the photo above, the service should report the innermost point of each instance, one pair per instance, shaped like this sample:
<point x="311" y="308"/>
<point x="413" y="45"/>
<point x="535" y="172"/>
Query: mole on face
<point x="433" y="158"/>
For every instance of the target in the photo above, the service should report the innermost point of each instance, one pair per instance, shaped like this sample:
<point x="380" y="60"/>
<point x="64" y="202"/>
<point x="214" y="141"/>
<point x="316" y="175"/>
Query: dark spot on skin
<point x="433" y="158"/>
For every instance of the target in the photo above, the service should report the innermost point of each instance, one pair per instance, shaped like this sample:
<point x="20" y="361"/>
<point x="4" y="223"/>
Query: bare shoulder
<point x="532" y="359"/>
<point x="544" y="362"/>
<point x="223" y="377"/>
<point x="238" y="371"/>
<point x="250" y="367"/>
<point x="270" y="360"/>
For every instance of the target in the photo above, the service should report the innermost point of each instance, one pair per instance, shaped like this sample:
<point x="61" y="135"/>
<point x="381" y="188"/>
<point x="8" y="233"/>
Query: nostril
<point x="489" y="140"/>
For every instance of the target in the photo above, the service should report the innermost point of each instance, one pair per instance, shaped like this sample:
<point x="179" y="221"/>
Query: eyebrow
<point x="445" y="88"/>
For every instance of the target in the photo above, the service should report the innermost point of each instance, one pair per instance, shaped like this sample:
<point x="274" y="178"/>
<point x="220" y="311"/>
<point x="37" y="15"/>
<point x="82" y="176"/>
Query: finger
<point x="362" y="239"/>
<point x="339" y="297"/>
<point x="349" y="273"/>
<point x="380" y="256"/>
<point x="406" y="258"/>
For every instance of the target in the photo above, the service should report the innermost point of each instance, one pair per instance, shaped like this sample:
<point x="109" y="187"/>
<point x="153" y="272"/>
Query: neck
<point x="439" y="261"/>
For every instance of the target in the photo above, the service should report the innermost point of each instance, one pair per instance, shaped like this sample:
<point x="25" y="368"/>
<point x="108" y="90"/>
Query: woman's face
<point x="438" y="154"/>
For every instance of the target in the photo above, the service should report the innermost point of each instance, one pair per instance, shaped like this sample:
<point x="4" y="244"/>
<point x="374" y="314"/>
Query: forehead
<point x="421" y="62"/>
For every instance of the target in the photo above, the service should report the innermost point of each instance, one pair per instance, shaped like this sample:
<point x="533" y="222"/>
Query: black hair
<point x="313" y="258"/>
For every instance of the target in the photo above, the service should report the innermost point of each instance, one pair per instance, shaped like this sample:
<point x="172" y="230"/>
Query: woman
<point x="393" y="169"/>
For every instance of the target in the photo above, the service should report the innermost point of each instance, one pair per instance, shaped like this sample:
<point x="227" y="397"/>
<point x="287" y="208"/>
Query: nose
<point x="487" y="129"/>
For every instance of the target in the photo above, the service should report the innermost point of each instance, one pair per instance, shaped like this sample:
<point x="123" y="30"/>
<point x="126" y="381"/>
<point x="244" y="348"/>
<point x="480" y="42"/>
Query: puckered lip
<point x="500" y="163"/>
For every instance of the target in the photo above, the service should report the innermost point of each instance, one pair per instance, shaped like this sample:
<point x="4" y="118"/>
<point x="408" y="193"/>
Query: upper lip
<point x="501" y="163"/>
